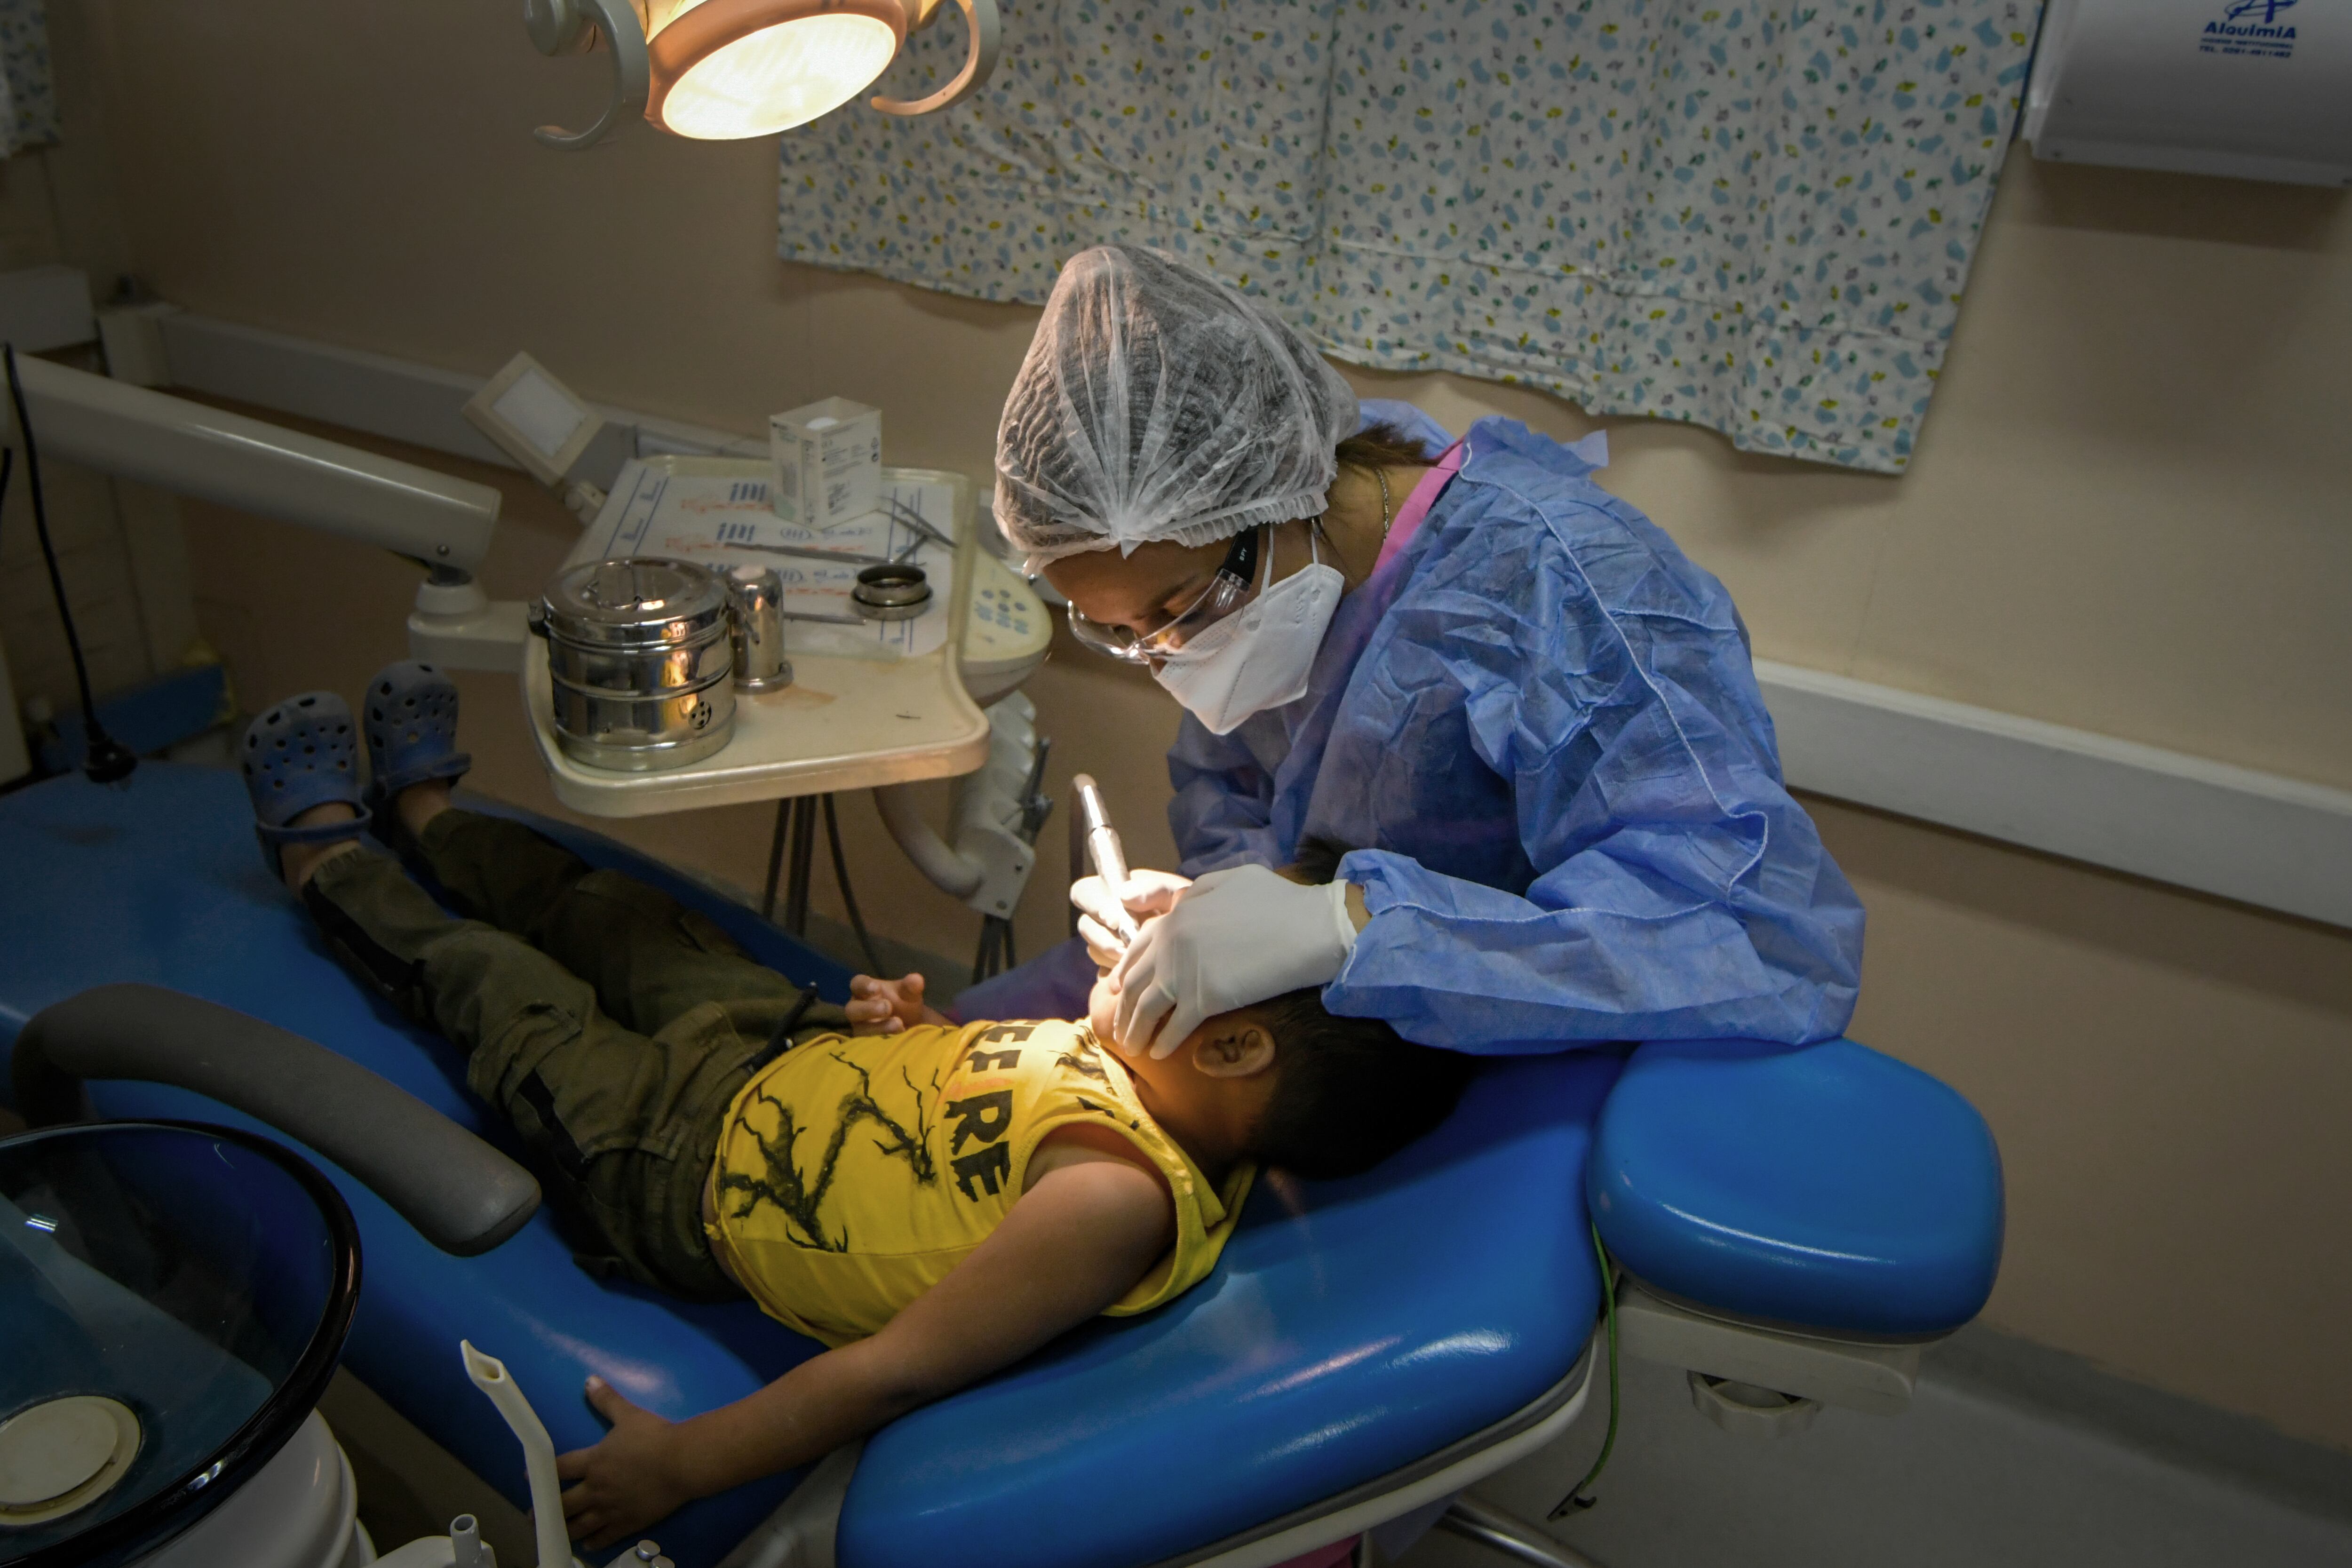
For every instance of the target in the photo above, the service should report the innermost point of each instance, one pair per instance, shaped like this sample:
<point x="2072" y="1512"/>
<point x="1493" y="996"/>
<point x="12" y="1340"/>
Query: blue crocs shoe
<point x="300" y="754"/>
<point x="411" y="735"/>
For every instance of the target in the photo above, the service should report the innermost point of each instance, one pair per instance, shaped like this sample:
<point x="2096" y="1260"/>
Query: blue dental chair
<point x="1793" y="1224"/>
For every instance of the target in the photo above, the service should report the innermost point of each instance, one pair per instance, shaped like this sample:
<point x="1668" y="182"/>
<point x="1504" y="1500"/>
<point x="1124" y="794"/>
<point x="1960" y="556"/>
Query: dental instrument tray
<point x="897" y="630"/>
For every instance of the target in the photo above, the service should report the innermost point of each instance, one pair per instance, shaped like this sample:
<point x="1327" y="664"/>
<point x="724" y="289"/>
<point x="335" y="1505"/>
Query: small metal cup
<point x="896" y="591"/>
<point x="758" y="596"/>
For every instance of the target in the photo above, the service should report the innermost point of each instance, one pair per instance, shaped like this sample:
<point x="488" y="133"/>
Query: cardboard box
<point x="827" y="462"/>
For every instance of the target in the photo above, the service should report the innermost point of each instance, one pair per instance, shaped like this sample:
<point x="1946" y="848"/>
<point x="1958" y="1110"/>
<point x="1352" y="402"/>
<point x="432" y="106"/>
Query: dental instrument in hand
<point x="1103" y="850"/>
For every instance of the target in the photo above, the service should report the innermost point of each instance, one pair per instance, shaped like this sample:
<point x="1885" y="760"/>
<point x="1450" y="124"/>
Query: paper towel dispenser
<point x="2259" y="89"/>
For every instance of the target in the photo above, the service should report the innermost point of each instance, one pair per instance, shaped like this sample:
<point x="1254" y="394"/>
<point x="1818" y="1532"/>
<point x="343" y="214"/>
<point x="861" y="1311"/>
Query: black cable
<point x="775" y="861"/>
<point x="849" y="899"/>
<point x="1012" y="960"/>
<point x="1575" y="1502"/>
<point x="996" y="953"/>
<point x="796" y="880"/>
<point x="105" y="760"/>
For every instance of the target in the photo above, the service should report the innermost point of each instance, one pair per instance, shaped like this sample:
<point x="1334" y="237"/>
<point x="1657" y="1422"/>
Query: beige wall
<point x="41" y="224"/>
<point x="2128" y="513"/>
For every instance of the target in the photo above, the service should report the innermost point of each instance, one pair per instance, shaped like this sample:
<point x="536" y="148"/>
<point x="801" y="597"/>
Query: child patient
<point x="933" y="1202"/>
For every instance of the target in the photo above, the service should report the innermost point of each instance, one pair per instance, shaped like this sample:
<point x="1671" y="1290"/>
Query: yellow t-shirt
<point x="854" y="1172"/>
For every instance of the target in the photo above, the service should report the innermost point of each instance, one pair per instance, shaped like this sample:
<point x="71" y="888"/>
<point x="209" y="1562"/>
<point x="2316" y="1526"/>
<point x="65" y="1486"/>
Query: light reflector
<point x="727" y="70"/>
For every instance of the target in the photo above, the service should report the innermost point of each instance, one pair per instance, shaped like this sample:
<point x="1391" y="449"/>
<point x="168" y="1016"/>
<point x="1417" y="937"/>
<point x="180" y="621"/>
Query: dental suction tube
<point x="1103" y="847"/>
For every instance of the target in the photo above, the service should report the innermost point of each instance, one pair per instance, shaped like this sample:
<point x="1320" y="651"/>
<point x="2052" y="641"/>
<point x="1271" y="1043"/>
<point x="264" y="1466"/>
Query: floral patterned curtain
<point x="1755" y="217"/>
<point x="29" y="105"/>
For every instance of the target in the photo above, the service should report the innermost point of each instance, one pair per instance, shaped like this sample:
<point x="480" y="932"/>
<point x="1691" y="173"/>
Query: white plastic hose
<point x="490" y="1375"/>
<point x="956" y="875"/>
<point x="467" y="1547"/>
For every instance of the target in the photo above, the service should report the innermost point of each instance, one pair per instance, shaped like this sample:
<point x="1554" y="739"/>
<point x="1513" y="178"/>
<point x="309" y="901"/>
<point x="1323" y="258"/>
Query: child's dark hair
<point x="1348" y="1092"/>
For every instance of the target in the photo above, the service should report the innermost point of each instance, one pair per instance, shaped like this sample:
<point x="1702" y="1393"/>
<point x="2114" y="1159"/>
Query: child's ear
<point x="1235" y="1045"/>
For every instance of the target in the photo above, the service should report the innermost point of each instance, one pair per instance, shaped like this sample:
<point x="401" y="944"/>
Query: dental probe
<point x="915" y="523"/>
<point x="810" y="553"/>
<point x="1103" y="847"/>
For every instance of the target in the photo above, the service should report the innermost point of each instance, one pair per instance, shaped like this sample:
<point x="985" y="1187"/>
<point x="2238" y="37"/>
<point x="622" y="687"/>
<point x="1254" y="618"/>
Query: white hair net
<point x="1157" y="402"/>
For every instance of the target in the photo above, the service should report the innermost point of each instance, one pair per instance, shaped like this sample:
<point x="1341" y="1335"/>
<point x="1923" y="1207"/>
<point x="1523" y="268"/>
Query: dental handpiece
<point x="1103" y="847"/>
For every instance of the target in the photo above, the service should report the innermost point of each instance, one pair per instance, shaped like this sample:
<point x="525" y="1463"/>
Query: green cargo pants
<point x="611" y="1025"/>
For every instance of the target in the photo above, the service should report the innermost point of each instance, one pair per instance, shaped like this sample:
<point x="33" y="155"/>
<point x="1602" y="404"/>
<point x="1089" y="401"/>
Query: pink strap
<point x="1416" y="505"/>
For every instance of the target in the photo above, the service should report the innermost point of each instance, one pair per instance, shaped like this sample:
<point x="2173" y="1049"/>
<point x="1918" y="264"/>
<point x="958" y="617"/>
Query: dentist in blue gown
<point x="1527" y="719"/>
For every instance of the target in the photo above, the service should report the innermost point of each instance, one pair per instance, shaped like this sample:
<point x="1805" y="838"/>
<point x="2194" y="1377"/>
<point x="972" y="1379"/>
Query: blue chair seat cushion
<point x="1822" y="1187"/>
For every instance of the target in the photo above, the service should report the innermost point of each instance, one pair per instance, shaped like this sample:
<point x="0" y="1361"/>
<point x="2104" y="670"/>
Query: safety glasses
<point x="1235" y="586"/>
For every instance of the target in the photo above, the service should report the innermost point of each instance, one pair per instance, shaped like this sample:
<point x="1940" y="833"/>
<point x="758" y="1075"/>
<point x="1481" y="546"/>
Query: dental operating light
<point x="721" y="70"/>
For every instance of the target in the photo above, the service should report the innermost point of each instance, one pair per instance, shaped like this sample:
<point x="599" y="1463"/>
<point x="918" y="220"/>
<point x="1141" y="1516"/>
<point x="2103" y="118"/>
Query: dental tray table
<point x="1364" y="1347"/>
<point x="878" y="702"/>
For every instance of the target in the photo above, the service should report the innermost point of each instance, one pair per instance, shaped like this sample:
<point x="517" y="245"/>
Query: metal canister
<point x="639" y="653"/>
<point x="760" y="661"/>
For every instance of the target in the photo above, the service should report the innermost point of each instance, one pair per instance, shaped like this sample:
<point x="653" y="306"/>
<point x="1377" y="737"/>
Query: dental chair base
<point x="1876" y="1379"/>
<point x="1510" y="1534"/>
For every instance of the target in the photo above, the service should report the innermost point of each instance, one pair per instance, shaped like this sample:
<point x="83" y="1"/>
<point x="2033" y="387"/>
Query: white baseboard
<point x="2256" y="837"/>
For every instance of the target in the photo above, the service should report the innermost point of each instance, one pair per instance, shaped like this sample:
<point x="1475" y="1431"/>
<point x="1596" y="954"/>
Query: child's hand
<point x="887" y="1006"/>
<point x="625" y="1482"/>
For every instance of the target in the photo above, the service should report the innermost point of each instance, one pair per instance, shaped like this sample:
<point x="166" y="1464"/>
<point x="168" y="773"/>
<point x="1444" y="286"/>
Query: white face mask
<point x="1259" y="657"/>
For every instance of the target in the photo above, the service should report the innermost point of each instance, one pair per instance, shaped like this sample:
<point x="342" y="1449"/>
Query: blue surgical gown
<point x="1538" y="731"/>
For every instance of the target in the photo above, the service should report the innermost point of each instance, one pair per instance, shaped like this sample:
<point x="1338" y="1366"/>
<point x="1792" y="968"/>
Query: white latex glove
<point x="1147" y="893"/>
<point x="1233" y="938"/>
